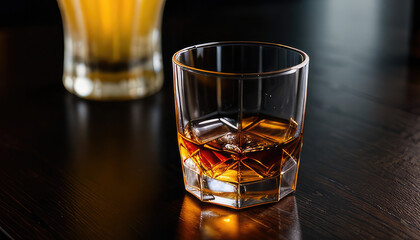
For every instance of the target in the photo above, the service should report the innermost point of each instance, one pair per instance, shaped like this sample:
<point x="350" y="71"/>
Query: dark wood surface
<point x="76" y="169"/>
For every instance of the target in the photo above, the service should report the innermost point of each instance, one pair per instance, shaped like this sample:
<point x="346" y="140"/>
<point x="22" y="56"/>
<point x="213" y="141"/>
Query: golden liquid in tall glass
<point x="108" y="41"/>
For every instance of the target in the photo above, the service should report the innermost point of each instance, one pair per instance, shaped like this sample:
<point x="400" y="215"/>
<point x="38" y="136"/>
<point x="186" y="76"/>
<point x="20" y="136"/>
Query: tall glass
<point x="112" y="48"/>
<point x="240" y="110"/>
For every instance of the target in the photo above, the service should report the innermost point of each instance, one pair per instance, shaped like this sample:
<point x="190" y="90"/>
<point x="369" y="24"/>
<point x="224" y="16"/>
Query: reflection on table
<point x="206" y="221"/>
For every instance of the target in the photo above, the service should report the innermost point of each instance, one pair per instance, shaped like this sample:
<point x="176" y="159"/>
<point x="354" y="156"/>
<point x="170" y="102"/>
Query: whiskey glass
<point x="240" y="110"/>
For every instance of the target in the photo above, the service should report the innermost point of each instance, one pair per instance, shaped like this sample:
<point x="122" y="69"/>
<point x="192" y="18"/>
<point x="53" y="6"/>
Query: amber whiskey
<point x="247" y="159"/>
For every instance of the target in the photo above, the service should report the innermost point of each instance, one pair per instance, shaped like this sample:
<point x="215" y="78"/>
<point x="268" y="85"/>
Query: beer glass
<point x="240" y="110"/>
<point x="112" y="48"/>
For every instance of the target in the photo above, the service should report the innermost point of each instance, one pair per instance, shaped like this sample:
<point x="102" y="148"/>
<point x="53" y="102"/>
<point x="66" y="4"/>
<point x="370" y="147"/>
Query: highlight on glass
<point x="240" y="110"/>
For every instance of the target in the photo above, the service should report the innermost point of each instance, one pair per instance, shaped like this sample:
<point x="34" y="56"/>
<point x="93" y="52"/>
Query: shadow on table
<point x="206" y="221"/>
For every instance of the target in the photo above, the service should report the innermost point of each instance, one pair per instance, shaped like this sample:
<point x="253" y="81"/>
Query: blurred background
<point x="350" y="27"/>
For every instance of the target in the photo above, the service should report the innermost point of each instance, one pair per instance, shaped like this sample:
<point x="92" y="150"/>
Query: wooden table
<point x="77" y="169"/>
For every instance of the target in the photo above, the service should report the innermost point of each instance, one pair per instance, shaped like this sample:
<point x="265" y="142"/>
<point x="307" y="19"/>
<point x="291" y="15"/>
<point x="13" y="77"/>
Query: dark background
<point x="77" y="169"/>
<point x="340" y="27"/>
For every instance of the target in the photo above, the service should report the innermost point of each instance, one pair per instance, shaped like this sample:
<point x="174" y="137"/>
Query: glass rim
<point x="282" y="71"/>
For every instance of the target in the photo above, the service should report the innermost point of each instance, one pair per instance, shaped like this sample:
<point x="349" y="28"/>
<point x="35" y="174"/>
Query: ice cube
<point x="204" y="131"/>
<point x="252" y="143"/>
<point x="242" y="142"/>
<point x="230" y="141"/>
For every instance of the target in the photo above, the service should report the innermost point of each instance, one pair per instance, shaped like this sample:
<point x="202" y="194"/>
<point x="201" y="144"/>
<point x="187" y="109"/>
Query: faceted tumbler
<point x="240" y="110"/>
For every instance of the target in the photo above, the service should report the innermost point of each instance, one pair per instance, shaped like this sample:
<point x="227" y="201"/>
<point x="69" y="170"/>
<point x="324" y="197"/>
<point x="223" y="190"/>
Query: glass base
<point x="240" y="195"/>
<point x="114" y="88"/>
